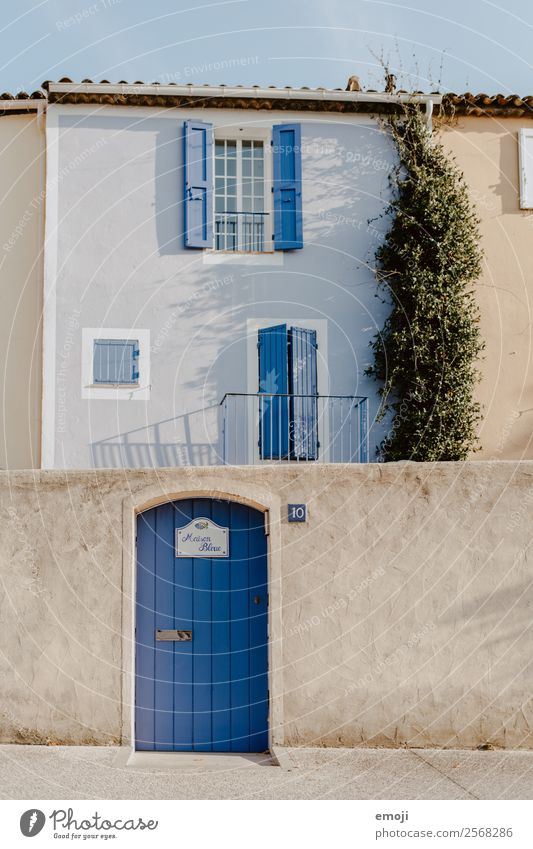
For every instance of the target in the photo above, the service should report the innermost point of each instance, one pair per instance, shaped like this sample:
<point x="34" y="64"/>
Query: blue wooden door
<point x="208" y="694"/>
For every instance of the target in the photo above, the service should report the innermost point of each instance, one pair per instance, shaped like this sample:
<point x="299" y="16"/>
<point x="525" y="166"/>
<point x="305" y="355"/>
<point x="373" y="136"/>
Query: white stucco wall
<point x="115" y="258"/>
<point x="400" y="613"/>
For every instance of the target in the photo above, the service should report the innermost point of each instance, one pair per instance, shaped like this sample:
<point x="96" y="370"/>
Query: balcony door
<point x="288" y="397"/>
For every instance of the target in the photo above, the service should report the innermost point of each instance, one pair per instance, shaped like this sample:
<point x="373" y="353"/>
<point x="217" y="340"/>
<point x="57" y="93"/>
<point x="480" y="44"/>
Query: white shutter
<point x="526" y="169"/>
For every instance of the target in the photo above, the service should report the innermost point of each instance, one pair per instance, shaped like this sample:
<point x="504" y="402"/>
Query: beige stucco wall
<point x="486" y="150"/>
<point x="21" y="240"/>
<point x="400" y="613"/>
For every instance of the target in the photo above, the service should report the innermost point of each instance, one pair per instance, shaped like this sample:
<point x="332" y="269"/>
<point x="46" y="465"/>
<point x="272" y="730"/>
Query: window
<point x="243" y="193"/>
<point x="240" y="214"/>
<point x="115" y="364"/>
<point x="288" y="393"/>
<point x="116" y="361"/>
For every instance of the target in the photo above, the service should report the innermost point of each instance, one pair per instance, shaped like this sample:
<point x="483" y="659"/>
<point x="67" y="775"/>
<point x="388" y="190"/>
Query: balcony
<point x="299" y="428"/>
<point x="240" y="231"/>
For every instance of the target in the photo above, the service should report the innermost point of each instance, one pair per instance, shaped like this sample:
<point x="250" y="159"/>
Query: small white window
<point x="116" y="364"/>
<point x="242" y="203"/>
<point x="526" y="169"/>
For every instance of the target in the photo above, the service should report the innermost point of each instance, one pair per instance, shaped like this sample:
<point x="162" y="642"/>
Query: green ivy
<point x="425" y="356"/>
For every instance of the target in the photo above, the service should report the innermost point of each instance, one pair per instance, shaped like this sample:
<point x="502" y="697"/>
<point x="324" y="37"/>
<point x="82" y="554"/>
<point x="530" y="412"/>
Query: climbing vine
<point x="426" y="353"/>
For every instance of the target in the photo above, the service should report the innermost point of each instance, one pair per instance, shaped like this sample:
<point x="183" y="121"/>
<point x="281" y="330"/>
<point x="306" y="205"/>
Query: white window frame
<point x="526" y="179"/>
<point x="122" y="392"/>
<point x="250" y="134"/>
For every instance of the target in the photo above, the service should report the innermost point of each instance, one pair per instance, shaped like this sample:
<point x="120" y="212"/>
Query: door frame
<point x="250" y="495"/>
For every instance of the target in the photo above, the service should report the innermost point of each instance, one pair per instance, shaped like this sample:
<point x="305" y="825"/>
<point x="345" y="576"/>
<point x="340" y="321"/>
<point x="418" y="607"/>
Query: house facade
<point x="207" y="300"/>
<point x="209" y="293"/>
<point x="491" y="139"/>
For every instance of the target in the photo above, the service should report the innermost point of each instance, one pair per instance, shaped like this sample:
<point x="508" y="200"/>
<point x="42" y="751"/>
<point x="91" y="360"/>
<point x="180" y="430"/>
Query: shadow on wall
<point x="168" y="145"/>
<point x="167" y="443"/>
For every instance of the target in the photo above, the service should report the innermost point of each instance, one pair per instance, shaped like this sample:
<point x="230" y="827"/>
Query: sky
<point x="460" y="45"/>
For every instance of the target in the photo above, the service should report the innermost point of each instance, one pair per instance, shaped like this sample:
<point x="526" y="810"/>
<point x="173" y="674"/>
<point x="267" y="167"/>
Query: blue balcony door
<point x="288" y="393"/>
<point x="210" y="693"/>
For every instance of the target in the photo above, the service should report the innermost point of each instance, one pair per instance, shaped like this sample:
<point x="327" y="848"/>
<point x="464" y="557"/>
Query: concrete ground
<point x="76" y="772"/>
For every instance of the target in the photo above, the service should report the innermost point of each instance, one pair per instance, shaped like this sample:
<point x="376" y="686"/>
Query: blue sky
<point x="459" y="45"/>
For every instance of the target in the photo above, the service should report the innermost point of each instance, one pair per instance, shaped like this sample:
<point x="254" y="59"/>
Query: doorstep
<point x="194" y="761"/>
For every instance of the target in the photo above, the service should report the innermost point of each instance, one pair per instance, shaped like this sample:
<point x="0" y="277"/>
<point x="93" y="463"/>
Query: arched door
<point x="201" y="633"/>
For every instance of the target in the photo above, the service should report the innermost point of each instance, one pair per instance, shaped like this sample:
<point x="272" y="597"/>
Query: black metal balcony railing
<point x="240" y="231"/>
<point x="302" y="428"/>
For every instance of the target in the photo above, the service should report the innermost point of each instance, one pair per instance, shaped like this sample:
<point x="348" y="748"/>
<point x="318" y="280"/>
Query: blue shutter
<point x="303" y="382"/>
<point x="273" y="381"/>
<point x="287" y="162"/>
<point x="115" y="361"/>
<point x="198" y="169"/>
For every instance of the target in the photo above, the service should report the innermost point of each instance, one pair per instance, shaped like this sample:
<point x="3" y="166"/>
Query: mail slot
<point x="173" y="636"/>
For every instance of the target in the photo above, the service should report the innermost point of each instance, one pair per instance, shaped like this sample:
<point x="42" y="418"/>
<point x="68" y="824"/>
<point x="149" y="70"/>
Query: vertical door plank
<point x="221" y="638"/>
<point x="202" y="641"/>
<point x="240" y="689"/>
<point x="164" y="618"/>
<point x="258" y="605"/>
<point x="144" y="632"/>
<point x="183" y="619"/>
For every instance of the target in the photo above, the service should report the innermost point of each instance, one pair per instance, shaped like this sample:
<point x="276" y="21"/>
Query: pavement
<point x="85" y="772"/>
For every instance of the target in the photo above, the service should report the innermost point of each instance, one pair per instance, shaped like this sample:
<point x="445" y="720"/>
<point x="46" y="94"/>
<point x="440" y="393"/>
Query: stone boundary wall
<point x="401" y="611"/>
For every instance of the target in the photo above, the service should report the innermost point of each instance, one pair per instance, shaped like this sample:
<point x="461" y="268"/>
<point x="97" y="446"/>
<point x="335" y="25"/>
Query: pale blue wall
<point x="121" y="262"/>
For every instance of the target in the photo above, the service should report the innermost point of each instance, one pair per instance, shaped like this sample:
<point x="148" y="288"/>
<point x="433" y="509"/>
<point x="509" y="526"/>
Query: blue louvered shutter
<point x="115" y="361"/>
<point x="287" y="167"/>
<point x="198" y="170"/>
<point x="303" y="391"/>
<point x="273" y="383"/>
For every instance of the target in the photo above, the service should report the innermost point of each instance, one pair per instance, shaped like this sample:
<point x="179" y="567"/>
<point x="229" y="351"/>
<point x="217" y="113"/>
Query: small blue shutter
<point x="287" y="163"/>
<point x="115" y="361"/>
<point x="303" y="382"/>
<point x="273" y="380"/>
<point x="198" y="170"/>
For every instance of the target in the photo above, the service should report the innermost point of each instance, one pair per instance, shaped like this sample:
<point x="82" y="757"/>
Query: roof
<point x="319" y="99"/>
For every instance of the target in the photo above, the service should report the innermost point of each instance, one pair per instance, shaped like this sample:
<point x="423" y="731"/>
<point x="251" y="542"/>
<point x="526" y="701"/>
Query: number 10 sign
<point x="297" y="512"/>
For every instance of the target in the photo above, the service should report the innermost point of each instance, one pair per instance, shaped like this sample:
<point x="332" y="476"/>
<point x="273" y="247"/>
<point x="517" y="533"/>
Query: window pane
<point x="231" y="167"/>
<point x="231" y="204"/>
<point x="220" y="146"/>
<point x="246" y="149"/>
<point x="258" y="150"/>
<point x="258" y="168"/>
<point x="231" y="148"/>
<point x="219" y="167"/>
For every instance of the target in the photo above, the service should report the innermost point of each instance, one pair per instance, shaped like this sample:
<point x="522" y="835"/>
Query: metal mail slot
<point x="168" y="636"/>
